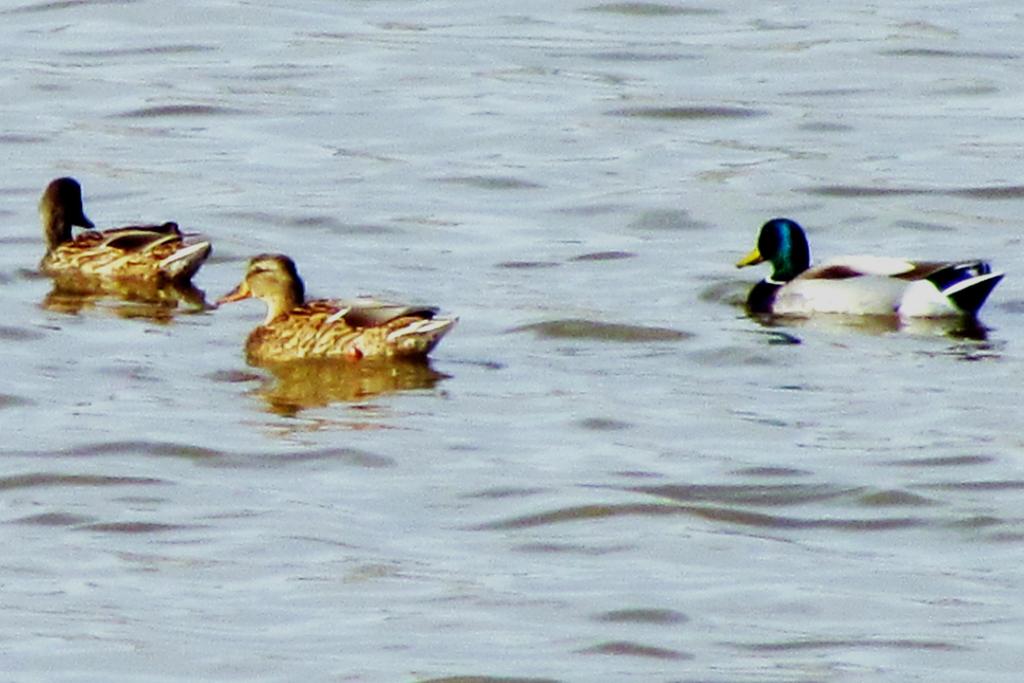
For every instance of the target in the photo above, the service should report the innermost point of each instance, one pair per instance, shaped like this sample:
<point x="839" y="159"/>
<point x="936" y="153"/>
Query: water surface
<point x="607" y="472"/>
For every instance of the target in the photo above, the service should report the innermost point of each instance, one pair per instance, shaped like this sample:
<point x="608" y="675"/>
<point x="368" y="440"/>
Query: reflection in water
<point x="315" y="383"/>
<point x="127" y="301"/>
<point x="963" y="328"/>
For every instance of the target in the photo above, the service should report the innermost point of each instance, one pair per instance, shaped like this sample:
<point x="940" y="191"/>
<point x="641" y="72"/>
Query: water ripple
<point x="488" y="679"/>
<point x="351" y="456"/>
<point x="574" y="328"/>
<point x="630" y="649"/>
<point x="988" y="192"/>
<point x="643" y="615"/>
<point x="879" y="643"/>
<point x="135" y="527"/>
<point x="696" y="113"/>
<point x="63" y="4"/>
<point x="747" y="494"/>
<point x="651" y="9"/>
<point x="54" y="519"/>
<point x="603" y="424"/>
<point x="160" y="111"/>
<point x="1004" y="485"/>
<point x="9" y="333"/>
<point x="667" y="219"/>
<point x="729" y="292"/>
<point x="526" y="265"/>
<point x="769" y="471"/>
<point x="944" y="461"/>
<point x="715" y="514"/>
<point x="604" y="256"/>
<point x="21" y="139"/>
<point x="37" y="479"/>
<point x="894" y="498"/>
<point x="11" y="401"/>
<point x="506" y="492"/>
<point x="636" y="56"/>
<point x="572" y="549"/>
<point x="158" y="448"/>
<point x="956" y="54"/>
<point x="493" y="182"/>
<point x="862" y="191"/>
<point x="185" y="48"/>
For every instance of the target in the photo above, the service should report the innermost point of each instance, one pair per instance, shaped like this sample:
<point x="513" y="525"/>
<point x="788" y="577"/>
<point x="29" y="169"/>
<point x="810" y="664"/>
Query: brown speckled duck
<point x="144" y="255"/>
<point x="297" y="329"/>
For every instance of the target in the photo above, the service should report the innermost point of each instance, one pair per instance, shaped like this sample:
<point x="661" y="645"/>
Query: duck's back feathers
<point x="183" y="264"/>
<point x="859" y="266"/>
<point x="140" y="253"/>
<point x="966" y="285"/>
<point x="366" y="312"/>
<point x="941" y="273"/>
<point x="419" y="336"/>
<point x="134" y="237"/>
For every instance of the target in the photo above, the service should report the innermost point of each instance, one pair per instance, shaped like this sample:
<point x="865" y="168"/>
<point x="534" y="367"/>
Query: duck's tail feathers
<point x="183" y="264"/>
<point x="969" y="294"/>
<point x="420" y="336"/>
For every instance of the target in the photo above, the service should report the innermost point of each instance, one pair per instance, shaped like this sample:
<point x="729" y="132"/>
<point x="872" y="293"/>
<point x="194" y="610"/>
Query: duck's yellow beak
<point x="240" y="292"/>
<point x="751" y="259"/>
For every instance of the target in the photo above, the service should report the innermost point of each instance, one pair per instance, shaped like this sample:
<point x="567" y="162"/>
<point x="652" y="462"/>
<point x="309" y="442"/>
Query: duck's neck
<point x="277" y="308"/>
<point x="285" y="301"/>
<point x="762" y="297"/>
<point x="56" y="228"/>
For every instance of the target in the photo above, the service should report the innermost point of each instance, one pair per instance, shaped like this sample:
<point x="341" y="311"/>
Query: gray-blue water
<point x="608" y="472"/>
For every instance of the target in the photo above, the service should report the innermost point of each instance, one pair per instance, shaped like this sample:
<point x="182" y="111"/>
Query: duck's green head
<point x="782" y="243"/>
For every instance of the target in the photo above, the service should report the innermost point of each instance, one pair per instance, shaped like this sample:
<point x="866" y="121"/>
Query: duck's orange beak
<point x="240" y="292"/>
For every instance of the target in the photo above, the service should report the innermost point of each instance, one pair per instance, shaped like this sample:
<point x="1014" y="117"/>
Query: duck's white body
<point x="879" y="285"/>
<point x="861" y="285"/>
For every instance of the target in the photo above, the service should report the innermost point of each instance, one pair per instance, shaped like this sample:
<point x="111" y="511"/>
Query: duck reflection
<point x="301" y="385"/>
<point x="965" y="328"/>
<point x="135" y="300"/>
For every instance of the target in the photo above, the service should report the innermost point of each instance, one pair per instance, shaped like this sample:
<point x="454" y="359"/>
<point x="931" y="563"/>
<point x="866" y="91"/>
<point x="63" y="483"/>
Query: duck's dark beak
<point x="82" y="221"/>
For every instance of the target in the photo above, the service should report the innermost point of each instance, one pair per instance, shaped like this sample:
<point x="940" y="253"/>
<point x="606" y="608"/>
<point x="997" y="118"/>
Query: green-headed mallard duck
<point x="861" y="285"/>
<point x="297" y="329"/>
<point x="147" y="255"/>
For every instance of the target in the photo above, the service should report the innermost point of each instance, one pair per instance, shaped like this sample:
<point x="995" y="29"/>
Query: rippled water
<point x="607" y="472"/>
